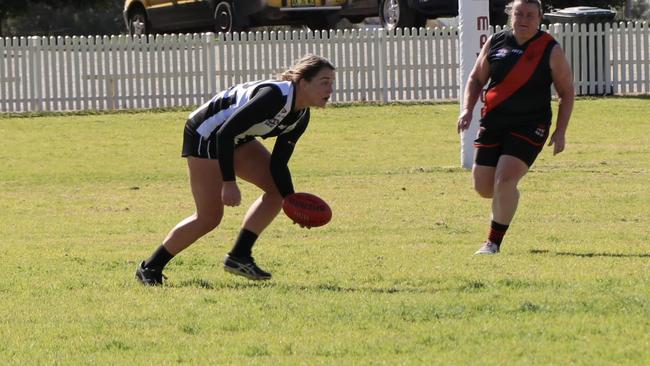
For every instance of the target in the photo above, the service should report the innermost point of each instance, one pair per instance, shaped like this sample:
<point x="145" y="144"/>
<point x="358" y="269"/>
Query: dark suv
<point x="414" y="13"/>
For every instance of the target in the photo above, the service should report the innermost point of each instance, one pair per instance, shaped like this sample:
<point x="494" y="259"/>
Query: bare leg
<point x="252" y="163"/>
<point x="483" y="177"/>
<point x="205" y="181"/>
<point x="509" y="171"/>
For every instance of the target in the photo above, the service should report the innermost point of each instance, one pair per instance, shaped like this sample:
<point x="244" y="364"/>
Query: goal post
<point x="474" y="29"/>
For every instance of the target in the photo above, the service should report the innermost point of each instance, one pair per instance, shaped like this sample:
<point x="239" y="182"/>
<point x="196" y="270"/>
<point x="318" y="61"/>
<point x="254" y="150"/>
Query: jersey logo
<point x="502" y="53"/>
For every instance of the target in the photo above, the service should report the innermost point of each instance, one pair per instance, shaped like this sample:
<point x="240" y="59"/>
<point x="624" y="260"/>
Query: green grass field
<point x="390" y="281"/>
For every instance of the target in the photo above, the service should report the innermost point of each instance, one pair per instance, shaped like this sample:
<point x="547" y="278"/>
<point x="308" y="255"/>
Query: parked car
<point x="414" y="13"/>
<point x="151" y="16"/>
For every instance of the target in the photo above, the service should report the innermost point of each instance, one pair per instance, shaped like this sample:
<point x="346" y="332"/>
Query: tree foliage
<point x="58" y="17"/>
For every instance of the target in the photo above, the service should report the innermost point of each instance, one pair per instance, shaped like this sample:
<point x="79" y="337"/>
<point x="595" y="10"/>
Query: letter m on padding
<point x="482" y="23"/>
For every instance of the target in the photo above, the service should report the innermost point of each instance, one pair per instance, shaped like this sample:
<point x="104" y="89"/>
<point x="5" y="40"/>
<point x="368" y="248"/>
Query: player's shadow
<point x="591" y="254"/>
<point x="236" y="285"/>
<point x="360" y="289"/>
<point x="212" y="285"/>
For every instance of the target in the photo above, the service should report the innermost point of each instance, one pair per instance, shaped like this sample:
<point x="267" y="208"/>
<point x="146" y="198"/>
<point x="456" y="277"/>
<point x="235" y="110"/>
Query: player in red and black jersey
<point x="220" y="144"/>
<point x="521" y="65"/>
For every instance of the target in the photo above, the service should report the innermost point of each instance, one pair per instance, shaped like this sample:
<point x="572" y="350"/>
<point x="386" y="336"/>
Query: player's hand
<point x="557" y="141"/>
<point x="464" y="121"/>
<point x="230" y="195"/>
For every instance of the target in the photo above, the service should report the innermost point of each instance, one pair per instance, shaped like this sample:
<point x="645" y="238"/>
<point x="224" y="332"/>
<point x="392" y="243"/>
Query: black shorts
<point x="195" y="145"/>
<point x="524" y="142"/>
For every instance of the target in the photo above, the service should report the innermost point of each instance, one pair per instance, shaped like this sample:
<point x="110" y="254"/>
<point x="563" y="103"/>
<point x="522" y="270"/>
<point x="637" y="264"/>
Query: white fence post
<point x="23" y="69"/>
<point x="382" y="71"/>
<point x="33" y="57"/>
<point x="646" y="54"/>
<point x="609" y="88"/>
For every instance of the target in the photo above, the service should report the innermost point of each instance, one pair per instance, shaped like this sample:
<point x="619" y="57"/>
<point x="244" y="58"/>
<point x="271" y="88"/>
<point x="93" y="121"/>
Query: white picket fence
<point x="121" y="72"/>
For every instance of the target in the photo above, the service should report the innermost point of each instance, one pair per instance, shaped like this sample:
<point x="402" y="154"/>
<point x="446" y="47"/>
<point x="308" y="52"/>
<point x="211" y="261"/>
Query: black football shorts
<point x="524" y="142"/>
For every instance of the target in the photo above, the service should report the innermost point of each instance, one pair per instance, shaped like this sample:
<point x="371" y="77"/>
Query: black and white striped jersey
<point x="241" y="113"/>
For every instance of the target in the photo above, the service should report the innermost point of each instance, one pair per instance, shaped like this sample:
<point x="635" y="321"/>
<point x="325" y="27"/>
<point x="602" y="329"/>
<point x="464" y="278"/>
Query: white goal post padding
<point x="474" y="21"/>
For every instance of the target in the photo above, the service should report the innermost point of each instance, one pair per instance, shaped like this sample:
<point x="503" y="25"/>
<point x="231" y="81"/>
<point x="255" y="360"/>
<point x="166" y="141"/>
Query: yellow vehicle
<point x="152" y="16"/>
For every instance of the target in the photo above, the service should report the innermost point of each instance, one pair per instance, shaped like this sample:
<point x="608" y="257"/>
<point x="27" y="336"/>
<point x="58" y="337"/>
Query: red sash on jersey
<point x="518" y="76"/>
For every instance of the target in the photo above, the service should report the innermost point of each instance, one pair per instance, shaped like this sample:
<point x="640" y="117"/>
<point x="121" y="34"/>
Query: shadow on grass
<point x="350" y="289"/>
<point x="425" y="170"/>
<point x="590" y="255"/>
<point x="236" y="285"/>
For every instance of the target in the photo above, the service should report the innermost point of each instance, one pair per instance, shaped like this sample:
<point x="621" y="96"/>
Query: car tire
<point x="397" y="14"/>
<point x="138" y="23"/>
<point x="225" y="19"/>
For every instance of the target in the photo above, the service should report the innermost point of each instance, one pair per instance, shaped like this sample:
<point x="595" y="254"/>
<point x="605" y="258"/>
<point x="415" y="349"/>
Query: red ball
<point x="307" y="209"/>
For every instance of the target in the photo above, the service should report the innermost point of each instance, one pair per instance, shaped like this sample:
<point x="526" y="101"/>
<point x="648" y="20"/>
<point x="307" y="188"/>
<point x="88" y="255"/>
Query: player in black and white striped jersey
<point x="220" y="144"/>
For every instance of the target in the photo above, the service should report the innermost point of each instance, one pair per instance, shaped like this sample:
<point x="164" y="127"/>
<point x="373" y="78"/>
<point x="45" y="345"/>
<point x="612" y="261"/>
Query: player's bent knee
<point x="484" y="192"/>
<point x="506" y="182"/>
<point x="208" y="223"/>
<point x="273" y="199"/>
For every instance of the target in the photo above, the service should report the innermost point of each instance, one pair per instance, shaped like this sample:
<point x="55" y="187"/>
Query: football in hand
<point x="306" y="209"/>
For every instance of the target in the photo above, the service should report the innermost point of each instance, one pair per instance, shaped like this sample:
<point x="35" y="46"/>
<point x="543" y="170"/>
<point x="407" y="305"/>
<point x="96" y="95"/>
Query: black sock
<point x="159" y="258"/>
<point x="244" y="245"/>
<point x="497" y="232"/>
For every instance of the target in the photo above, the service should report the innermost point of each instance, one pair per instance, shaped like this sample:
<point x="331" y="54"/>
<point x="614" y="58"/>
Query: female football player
<point x="220" y="143"/>
<point x="521" y="64"/>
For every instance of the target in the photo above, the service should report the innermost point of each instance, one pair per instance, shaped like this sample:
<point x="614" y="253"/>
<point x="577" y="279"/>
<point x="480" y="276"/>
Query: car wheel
<point x="397" y="14"/>
<point x="138" y="23"/>
<point x="224" y="18"/>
